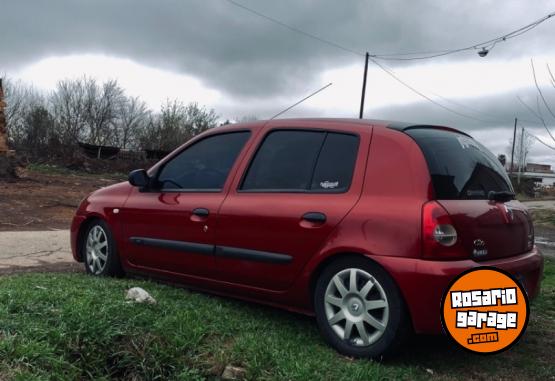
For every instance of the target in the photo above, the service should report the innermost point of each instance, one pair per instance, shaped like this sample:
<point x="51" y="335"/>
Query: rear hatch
<point x="464" y="174"/>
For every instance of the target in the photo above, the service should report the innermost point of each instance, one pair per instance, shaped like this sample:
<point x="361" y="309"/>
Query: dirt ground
<point x="45" y="201"/>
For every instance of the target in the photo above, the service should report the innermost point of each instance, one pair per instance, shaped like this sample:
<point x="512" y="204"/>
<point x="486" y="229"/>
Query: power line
<point x="489" y="44"/>
<point x="396" y="56"/>
<point x="539" y="140"/>
<point x="389" y="71"/>
<point x="294" y="29"/>
<point x="392" y="74"/>
<point x="537" y="115"/>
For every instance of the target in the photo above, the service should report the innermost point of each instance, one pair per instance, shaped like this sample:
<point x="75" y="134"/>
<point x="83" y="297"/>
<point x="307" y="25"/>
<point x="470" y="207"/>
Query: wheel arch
<point x="81" y="232"/>
<point x="315" y="274"/>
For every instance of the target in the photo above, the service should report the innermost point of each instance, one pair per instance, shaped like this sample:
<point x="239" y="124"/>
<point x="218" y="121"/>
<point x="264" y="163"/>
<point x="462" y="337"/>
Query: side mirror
<point x="139" y="178"/>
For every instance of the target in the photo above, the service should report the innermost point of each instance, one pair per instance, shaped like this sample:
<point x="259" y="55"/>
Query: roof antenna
<point x="301" y="101"/>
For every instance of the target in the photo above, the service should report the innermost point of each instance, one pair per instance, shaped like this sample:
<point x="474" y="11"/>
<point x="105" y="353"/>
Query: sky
<point x="241" y="64"/>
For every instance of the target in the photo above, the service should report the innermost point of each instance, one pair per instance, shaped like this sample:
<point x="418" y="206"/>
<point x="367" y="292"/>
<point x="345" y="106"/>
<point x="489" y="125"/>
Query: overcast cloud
<point x="241" y="64"/>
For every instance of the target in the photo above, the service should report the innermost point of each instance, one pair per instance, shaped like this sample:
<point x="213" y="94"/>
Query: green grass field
<point x="73" y="326"/>
<point x="544" y="217"/>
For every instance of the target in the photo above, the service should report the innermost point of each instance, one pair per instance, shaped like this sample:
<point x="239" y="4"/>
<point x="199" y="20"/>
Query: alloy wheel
<point x="97" y="250"/>
<point x="356" y="307"/>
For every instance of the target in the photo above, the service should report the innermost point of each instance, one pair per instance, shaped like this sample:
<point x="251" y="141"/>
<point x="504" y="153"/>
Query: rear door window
<point x="303" y="161"/>
<point x="285" y="161"/>
<point x="334" y="170"/>
<point x="460" y="167"/>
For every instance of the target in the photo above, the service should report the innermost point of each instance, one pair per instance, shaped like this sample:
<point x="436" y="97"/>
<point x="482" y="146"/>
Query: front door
<point x="171" y="226"/>
<point x="297" y="188"/>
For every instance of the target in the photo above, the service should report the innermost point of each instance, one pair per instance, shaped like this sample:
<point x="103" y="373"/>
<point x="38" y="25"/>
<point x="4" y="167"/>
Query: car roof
<point x="348" y="123"/>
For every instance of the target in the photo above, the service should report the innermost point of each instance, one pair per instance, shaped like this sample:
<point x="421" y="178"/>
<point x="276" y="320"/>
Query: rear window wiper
<point x="502" y="196"/>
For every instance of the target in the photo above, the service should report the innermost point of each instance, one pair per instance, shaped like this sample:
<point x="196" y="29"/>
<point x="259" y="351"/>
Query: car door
<point x="296" y="189"/>
<point x="170" y="226"/>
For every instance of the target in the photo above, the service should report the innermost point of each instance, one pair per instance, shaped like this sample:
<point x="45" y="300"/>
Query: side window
<point x="303" y="161"/>
<point x="284" y="161"/>
<point x="204" y="165"/>
<point x="336" y="163"/>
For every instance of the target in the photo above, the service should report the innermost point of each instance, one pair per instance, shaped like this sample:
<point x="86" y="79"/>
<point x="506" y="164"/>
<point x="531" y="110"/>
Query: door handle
<point x="316" y="217"/>
<point x="201" y="212"/>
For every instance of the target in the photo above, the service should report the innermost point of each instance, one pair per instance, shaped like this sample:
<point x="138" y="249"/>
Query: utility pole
<point x="361" y="113"/>
<point x="513" y="150"/>
<point x="521" y="156"/>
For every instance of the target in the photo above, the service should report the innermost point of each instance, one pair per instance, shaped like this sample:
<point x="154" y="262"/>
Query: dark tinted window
<point x="303" y="161"/>
<point x="285" y="161"/>
<point x="461" y="168"/>
<point x="204" y="165"/>
<point x="336" y="163"/>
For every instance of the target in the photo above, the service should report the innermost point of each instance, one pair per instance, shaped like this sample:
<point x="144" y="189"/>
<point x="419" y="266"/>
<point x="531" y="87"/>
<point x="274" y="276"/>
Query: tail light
<point x="439" y="236"/>
<point x="531" y="236"/>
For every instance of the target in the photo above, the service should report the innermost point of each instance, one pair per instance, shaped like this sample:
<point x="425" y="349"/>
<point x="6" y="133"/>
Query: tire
<point x="386" y="322"/>
<point x="99" y="251"/>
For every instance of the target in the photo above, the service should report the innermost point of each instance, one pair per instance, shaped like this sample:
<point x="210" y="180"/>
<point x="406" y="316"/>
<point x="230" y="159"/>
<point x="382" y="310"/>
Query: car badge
<point x="329" y="184"/>
<point x="480" y="249"/>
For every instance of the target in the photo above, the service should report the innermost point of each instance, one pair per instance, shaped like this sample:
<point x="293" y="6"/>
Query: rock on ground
<point x="139" y="295"/>
<point x="233" y="373"/>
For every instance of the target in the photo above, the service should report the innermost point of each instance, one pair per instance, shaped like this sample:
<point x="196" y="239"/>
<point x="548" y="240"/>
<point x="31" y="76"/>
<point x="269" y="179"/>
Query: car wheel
<point x="99" y="250"/>
<point x="359" y="309"/>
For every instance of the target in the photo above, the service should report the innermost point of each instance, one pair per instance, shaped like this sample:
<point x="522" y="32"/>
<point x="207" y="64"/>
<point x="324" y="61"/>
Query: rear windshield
<point x="460" y="167"/>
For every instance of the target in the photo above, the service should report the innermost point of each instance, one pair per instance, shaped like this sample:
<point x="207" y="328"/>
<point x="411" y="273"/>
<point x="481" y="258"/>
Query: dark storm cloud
<point x="246" y="56"/>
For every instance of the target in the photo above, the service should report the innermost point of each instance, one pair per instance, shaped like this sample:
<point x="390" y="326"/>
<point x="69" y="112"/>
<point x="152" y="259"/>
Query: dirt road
<point x="45" y="201"/>
<point x="541" y="204"/>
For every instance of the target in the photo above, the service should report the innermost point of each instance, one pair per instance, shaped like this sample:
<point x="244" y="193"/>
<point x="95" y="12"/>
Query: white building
<point x="542" y="174"/>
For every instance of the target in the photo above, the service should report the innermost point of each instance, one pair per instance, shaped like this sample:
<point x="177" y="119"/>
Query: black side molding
<point x="252" y="255"/>
<point x="198" y="248"/>
<point x="221" y="251"/>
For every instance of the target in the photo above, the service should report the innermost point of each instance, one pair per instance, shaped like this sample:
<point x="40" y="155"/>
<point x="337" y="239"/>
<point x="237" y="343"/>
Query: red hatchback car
<point x="362" y="223"/>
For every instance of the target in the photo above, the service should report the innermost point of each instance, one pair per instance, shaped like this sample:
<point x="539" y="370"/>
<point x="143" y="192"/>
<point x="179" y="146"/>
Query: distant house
<point x="542" y="174"/>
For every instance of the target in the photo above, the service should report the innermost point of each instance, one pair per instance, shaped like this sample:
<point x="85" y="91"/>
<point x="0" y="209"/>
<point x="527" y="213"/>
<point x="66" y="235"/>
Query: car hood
<point x="113" y="196"/>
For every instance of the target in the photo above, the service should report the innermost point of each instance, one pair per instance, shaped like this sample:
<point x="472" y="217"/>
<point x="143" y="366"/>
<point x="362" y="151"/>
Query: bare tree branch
<point x="551" y="75"/>
<point x="540" y="91"/>
<point x="538" y="116"/>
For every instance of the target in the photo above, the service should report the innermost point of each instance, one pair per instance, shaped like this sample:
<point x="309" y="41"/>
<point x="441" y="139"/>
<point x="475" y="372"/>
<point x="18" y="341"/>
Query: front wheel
<point x="359" y="309"/>
<point x="99" y="250"/>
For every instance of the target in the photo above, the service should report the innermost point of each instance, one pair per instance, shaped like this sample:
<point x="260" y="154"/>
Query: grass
<point x="545" y="217"/>
<point x="73" y="326"/>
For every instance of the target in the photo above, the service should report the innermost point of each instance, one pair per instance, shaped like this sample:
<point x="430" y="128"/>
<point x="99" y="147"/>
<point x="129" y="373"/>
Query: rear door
<point x="463" y="173"/>
<point x="297" y="187"/>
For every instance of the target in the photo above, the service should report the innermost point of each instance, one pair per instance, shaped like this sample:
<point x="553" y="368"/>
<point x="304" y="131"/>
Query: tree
<point x="523" y="144"/>
<point x="68" y="102"/>
<point x="102" y="104"/>
<point x="133" y="118"/>
<point x="20" y="100"/>
<point x="86" y="111"/>
<point x="39" y="128"/>
<point x="176" y="124"/>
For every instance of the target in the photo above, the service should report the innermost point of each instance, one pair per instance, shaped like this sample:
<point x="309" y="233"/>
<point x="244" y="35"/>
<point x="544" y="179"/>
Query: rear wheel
<point x="359" y="309"/>
<point x="99" y="250"/>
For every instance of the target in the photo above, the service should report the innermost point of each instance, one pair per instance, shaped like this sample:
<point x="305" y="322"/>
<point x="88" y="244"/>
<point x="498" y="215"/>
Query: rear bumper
<point x="423" y="282"/>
